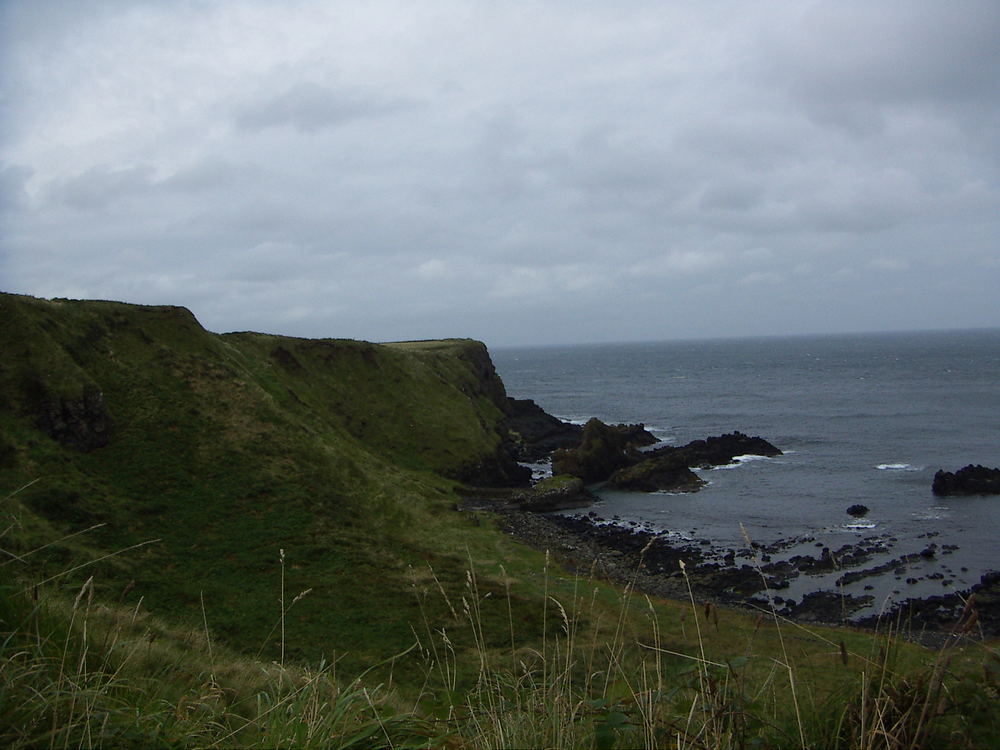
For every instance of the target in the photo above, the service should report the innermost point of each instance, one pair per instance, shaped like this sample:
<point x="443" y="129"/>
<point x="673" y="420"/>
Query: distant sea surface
<point x="861" y="419"/>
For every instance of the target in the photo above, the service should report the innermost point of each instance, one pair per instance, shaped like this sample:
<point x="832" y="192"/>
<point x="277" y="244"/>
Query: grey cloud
<point x="13" y="183"/>
<point x="310" y="107"/>
<point x="849" y="62"/>
<point x="505" y="170"/>
<point x="102" y="185"/>
<point x="208" y="174"/>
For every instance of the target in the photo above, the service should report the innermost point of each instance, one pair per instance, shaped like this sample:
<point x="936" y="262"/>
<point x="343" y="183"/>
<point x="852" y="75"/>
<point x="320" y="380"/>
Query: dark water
<point x="862" y="419"/>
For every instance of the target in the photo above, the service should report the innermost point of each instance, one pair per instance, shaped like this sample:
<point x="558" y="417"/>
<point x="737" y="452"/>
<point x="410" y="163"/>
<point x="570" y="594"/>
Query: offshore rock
<point x="668" y="469"/>
<point x="970" y="480"/>
<point x="536" y="433"/>
<point x="858" y="510"/>
<point x="603" y="450"/>
<point x="667" y="473"/>
<point x="718" y="451"/>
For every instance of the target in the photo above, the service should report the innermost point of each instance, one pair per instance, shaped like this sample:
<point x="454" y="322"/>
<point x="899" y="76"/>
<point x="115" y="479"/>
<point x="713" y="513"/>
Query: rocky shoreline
<point x="747" y="579"/>
<point x="755" y="577"/>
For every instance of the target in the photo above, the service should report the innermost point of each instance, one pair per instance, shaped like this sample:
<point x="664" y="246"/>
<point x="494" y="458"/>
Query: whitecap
<point x="749" y="457"/>
<point x="859" y="525"/>
<point x="898" y="467"/>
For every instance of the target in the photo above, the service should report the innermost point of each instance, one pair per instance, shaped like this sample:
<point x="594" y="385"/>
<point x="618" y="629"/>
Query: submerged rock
<point x="970" y="480"/>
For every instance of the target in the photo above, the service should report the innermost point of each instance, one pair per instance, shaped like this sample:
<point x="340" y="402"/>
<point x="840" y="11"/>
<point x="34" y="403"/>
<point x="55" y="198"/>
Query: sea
<point x="861" y="419"/>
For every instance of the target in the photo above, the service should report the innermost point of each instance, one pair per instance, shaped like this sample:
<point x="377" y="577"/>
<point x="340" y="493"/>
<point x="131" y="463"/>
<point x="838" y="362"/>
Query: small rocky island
<point x="970" y="480"/>
<point x="613" y="454"/>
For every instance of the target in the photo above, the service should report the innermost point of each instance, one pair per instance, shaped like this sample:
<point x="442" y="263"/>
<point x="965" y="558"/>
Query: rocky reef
<point x="612" y="454"/>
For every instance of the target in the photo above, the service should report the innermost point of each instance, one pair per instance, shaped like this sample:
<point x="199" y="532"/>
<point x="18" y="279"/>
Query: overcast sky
<point x="517" y="172"/>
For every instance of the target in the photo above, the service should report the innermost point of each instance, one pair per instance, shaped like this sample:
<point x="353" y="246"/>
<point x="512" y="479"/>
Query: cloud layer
<point x="517" y="172"/>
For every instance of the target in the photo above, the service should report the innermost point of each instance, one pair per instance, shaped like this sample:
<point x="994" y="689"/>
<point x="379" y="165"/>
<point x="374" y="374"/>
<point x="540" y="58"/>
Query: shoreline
<point x="652" y="564"/>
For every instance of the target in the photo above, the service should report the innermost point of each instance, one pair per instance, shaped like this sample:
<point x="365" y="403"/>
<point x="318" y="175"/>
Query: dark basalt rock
<point x="718" y="451"/>
<point x="956" y="612"/>
<point x="858" y="510"/>
<point x="669" y="468"/>
<point x="537" y="433"/>
<point x="603" y="450"/>
<point x="82" y="423"/>
<point x="554" y="493"/>
<point x="502" y="470"/>
<point x="661" y="474"/>
<point x="970" y="480"/>
<point x="828" y="606"/>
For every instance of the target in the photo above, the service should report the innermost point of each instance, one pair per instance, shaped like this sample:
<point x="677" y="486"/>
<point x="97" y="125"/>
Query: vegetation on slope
<point x="219" y="451"/>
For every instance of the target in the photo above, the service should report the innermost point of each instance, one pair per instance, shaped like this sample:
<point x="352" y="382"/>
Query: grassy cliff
<point x="214" y="452"/>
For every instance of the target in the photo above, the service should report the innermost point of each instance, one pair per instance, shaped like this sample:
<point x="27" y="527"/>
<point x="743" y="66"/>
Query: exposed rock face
<point x="603" y="450"/>
<point x="502" y="470"/>
<point x="538" y="433"/>
<point x="970" y="480"/>
<point x="82" y="423"/>
<point x="667" y="473"/>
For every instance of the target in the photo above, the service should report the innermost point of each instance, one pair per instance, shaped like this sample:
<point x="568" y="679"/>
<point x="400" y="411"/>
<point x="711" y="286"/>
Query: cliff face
<point x="75" y="370"/>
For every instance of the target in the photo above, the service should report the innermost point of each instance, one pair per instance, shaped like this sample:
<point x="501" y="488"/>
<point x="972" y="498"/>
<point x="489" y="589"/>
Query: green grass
<point x="595" y="666"/>
<point x="228" y="448"/>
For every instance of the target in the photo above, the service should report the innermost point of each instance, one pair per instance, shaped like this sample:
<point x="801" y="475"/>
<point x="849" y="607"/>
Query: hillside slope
<point x="215" y="452"/>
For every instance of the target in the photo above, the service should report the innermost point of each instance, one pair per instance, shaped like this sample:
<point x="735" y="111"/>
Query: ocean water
<point x="861" y="419"/>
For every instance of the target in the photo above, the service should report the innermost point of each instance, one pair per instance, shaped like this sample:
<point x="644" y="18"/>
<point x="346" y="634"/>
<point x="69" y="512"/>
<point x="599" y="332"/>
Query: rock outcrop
<point x="668" y="473"/>
<point x="603" y="450"/>
<point x="970" y="480"/>
<point x="612" y="453"/>
<point x="536" y="433"/>
<point x="82" y="422"/>
<point x="555" y="493"/>
<point x="718" y="451"/>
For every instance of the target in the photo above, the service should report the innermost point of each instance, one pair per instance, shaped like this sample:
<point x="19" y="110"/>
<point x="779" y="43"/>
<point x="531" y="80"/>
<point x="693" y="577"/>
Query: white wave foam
<point x="738" y="461"/>
<point x="899" y="467"/>
<point x="749" y="457"/>
<point x="859" y="525"/>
